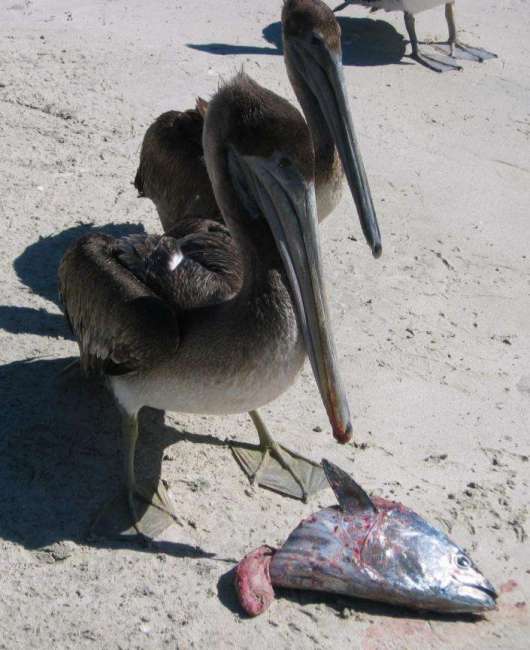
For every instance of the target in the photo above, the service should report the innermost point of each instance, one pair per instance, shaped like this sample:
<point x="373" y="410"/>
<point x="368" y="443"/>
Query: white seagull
<point x="453" y="47"/>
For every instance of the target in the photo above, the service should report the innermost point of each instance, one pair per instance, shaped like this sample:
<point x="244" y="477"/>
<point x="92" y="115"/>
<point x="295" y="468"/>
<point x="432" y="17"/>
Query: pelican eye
<point x="316" y="40"/>
<point x="463" y="562"/>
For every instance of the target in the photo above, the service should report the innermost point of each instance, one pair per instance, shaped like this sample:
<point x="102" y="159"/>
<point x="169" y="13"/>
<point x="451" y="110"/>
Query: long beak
<point x="287" y="201"/>
<point x="322" y="70"/>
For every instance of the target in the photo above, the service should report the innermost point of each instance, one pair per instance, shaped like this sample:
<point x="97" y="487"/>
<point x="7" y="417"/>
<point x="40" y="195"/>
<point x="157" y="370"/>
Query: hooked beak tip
<point x="377" y="250"/>
<point x="343" y="434"/>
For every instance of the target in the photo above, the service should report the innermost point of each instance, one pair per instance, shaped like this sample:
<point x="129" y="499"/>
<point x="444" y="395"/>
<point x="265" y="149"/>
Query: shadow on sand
<point x="37" y="268"/>
<point x="59" y="435"/>
<point x="365" y="42"/>
<point x="61" y="457"/>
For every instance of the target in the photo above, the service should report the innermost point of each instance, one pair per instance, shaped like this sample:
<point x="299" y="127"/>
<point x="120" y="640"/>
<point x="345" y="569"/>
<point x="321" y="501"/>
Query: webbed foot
<point x="435" y="62"/>
<point x="459" y="50"/>
<point x="277" y="468"/>
<point x="281" y="470"/>
<point x="431" y="61"/>
<point x="145" y="511"/>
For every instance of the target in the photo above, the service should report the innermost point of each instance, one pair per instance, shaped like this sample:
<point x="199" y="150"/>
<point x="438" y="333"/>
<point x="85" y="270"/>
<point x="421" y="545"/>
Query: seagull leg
<point x="431" y="61"/>
<point x="144" y="508"/>
<point x="455" y="48"/>
<point x="275" y="467"/>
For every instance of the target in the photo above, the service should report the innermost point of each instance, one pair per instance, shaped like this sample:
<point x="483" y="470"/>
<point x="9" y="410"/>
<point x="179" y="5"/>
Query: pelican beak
<point x="321" y="68"/>
<point x="274" y="187"/>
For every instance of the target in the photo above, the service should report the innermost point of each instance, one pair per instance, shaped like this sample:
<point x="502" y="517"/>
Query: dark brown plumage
<point x="172" y="172"/>
<point x="301" y="17"/>
<point x="132" y="320"/>
<point x="121" y="325"/>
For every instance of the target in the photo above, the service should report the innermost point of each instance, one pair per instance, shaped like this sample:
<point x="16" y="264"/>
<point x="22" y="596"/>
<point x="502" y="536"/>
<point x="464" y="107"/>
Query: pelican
<point x="173" y="175"/>
<point x="172" y="172"/>
<point x="454" y="48"/>
<point x="136" y="304"/>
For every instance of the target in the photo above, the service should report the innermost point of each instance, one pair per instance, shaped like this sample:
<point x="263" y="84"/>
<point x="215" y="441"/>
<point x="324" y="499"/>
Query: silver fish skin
<point x="371" y="548"/>
<point x="394" y="556"/>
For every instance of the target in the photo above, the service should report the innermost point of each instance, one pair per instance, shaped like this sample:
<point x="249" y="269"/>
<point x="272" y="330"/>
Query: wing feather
<point x="120" y="323"/>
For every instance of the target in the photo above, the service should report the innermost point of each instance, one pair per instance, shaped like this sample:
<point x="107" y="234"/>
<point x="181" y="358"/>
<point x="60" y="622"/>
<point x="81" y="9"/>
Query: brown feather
<point x="123" y="302"/>
<point x="172" y="172"/>
<point x="121" y="325"/>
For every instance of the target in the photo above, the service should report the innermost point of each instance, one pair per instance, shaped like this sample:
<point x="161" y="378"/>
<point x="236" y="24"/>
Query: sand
<point x="434" y="338"/>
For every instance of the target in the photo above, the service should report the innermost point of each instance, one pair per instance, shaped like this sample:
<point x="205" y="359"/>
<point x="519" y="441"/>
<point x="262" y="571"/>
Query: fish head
<point x="408" y="561"/>
<point x="422" y="565"/>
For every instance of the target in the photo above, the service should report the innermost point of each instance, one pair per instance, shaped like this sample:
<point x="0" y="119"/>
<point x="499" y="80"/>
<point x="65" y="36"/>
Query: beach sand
<point x="433" y="338"/>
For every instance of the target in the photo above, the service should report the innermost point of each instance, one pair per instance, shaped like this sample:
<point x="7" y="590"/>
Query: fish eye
<point x="463" y="562"/>
<point x="284" y="162"/>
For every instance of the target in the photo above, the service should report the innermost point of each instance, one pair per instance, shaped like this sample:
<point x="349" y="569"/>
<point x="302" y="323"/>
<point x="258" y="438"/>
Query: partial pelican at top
<point x="455" y="48"/>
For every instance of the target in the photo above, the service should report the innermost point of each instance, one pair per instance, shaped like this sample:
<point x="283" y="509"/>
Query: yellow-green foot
<point x="280" y="470"/>
<point x="145" y="512"/>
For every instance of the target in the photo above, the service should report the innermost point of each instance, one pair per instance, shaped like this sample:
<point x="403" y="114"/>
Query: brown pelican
<point x="173" y="175"/>
<point x="137" y="305"/>
<point x="455" y="48"/>
<point x="172" y="172"/>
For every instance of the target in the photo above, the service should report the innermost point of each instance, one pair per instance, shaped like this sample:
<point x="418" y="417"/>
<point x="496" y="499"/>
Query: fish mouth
<point x="479" y="597"/>
<point x="488" y="590"/>
<point x="287" y="201"/>
<point x="321" y="68"/>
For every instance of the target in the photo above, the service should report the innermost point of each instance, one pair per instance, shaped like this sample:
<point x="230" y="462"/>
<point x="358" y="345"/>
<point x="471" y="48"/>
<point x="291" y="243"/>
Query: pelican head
<point x="313" y="56"/>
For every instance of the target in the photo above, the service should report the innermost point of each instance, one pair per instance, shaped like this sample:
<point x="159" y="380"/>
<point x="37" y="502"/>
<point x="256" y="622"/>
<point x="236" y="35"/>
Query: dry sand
<point x="433" y="338"/>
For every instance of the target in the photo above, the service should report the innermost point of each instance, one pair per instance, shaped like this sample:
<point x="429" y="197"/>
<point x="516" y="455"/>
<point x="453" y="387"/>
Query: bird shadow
<point x="61" y="457"/>
<point x="342" y="606"/>
<point x="37" y="268"/>
<point x="365" y="42"/>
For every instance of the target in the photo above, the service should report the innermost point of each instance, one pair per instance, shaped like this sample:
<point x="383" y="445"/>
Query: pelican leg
<point x="431" y="61"/>
<point x="145" y="508"/>
<point x="277" y="468"/>
<point x="455" y="48"/>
